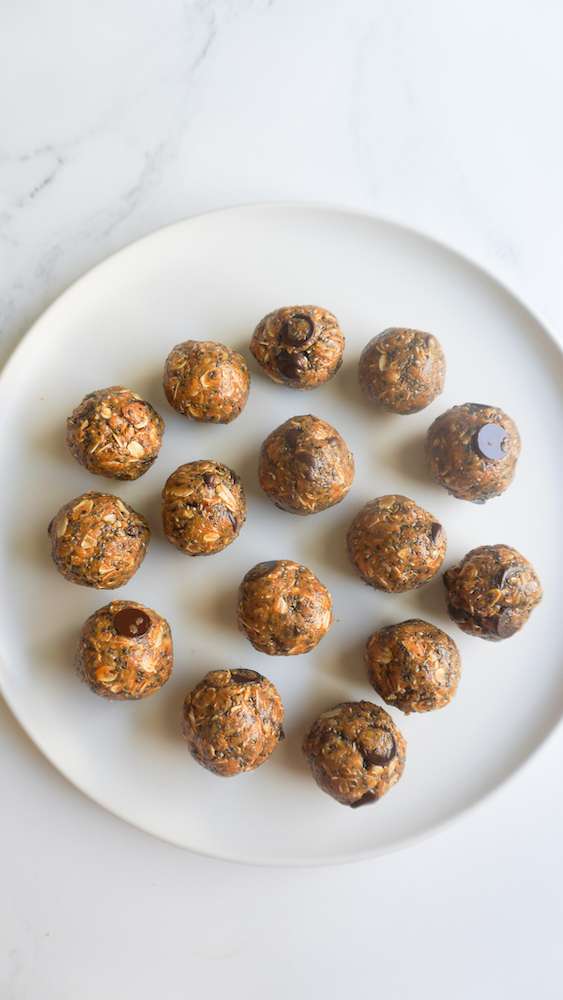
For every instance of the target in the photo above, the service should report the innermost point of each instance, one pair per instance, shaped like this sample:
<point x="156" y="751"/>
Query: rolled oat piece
<point x="206" y="381"/>
<point x="115" y="433"/>
<point x="414" y="666"/>
<point x="396" y="545"/>
<point x="232" y="721"/>
<point x="283" y="608"/>
<point x="125" y="651"/>
<point x="403" y="370"/>
<point x="472" y="451"/>
<point x="492" y="592"/>
<point x="356" y="752"/>
<point x="299" y="346"/>
<point x="305" y="466"/>
<point x="203" y="507"/>
<point x="98" y="541"/>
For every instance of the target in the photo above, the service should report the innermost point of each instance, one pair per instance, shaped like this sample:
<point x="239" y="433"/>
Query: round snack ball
<point x="492" y="592"/>
<point x="396" y="545"/>
<point x="206" y="381"/>
<point x="125" y="651"/>
<point x="98" y="541"/>
<point x="283" y="608"/>
<point x="305" y="466"/>
<point x="414" y="666"/>
<point x="232" y="721"/>
<point x="403" y="369"/>
<point x="115" y="433"/>
<point x="356" y="752"/>
<point x="299" y="346"/>
<point x="203" y="507"/>
<point x="472" y="451"/>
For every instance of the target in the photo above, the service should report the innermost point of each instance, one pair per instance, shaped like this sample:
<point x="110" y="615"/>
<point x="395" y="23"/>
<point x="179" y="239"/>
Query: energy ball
<point x="492" y="592"/>
<point x="472" y="451"/>
<point x="414" y="666"/>
<point x="115" y="433"/>
<point x="299" y="346"/>
<point x="283" y="608"/>
<point x="396" y="545"/>
<point x="402" y="369"/>
<point x="356" y="752"/>
<point x="125" y="651"/>
<point x="203" y="507"/>
<point x="98" y="541"/>
<point x="305" y="466"/>
<point x="232" y="721"/>
<point x="206" y="381"/>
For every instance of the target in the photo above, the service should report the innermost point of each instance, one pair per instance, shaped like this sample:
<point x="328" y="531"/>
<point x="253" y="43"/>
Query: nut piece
<point x="203" y="507"/>
<point x="232" y="721"/>
<point x="305" y="466"/>
<point x="283" y="608"/>
<point x="403" y="369"/>
<point x="356" y="752"/>
<point x="125" y="651"/>
<point x="206" y="381"/>
<point x="472" y="451"/>
<point x="396" y="545"/>
<point x="299" y="346"/>
<point x="115" y="433"/>
<point x="492" y="592"/>
<point x="98" y="541"/>
<point x="414" y="666"/>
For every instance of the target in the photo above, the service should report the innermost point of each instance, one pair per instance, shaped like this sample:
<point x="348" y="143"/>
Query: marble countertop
<point x="120" y="117"/>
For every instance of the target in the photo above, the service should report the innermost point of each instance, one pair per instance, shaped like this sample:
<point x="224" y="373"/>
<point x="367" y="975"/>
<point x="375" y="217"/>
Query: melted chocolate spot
<point x="436" y="532"/>
<point x="131" y="623"/>
<point x="306" y="458"/>
<point x="297" y="330"/>
<point x="365" y="800"/>
<point x="491" y="441"/>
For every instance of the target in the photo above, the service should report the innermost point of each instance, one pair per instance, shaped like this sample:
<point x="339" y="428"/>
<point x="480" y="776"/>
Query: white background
<point x="115" y="118"/>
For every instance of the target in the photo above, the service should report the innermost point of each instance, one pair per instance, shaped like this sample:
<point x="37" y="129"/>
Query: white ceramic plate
<point x="213" y="277"/>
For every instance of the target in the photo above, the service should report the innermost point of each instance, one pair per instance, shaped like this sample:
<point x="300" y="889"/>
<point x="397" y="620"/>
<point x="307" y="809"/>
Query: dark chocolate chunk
<point x="291" y="365"/>
<point x="245" y="676"/>
<point x="436" y="532"/>
<point x="131" y="623"/>
<point x="490" y="442"/>
<point x="306" y="458"/>
<point x="297" y="330"/>
<point x="377" y="758"/>
<point x="291" y="437"/>
<point x="365" y="800"/>
<point x="210" y="479"/>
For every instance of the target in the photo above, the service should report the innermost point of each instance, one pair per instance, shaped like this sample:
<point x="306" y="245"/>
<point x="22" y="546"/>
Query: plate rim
<point x="354" y="211"/>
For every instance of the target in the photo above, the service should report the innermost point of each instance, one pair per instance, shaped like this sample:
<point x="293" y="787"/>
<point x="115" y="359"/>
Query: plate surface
<point x="213" y="277"/>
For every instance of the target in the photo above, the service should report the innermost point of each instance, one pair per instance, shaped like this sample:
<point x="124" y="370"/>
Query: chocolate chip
<point x="291" y="436"/>
<point x="210" y="479"/>
<point x="261" y="569"/>
<point x="291" y="365"/>
<point x="306" y="458"/>
<point x="365" y="800"/>
<point x="506" y="575"/>
<point x="375" y="758"/>
<point x="245" y="676"/>
<point x="491" y="441"/>
<point x="131" y="623"/>
<point x="297" y="330"/>
<point x="436" y="532"/>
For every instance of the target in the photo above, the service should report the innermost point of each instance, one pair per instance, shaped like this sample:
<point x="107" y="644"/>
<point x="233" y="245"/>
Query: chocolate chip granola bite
<point x="356" y="752"/>
<point x="305" y="466"/>
<point x="283" y="608"/>
<point x="98" y="541"/>
<point x="203" y="507"/>
<point x="403" y="370"/>
<point x="396" y="545"/>
<point x="492" y="592"/>
<point x="299" y="346"/>
<point x="125" y="651"/>
<point x="472" y="451"/>
<point x="414" y="666"/>
<point x="206" y="381"/>
<point x="115" y="433"/>
<point x="232" y="721"/>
